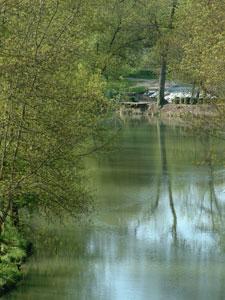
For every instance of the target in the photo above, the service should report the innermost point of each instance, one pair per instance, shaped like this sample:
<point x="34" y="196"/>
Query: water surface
<point x="159" y="228"/>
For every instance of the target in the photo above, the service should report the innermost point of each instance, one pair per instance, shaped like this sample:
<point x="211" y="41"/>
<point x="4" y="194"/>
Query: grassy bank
<point x="143" y="74"/>
<point x="134" y="82"/>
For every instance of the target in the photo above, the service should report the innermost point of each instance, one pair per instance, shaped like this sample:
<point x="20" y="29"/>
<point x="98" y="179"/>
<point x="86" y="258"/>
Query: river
<point x="159" y="227"/>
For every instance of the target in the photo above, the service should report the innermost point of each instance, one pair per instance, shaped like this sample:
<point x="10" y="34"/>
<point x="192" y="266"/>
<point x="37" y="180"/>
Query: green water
<point x="158" y="231"/>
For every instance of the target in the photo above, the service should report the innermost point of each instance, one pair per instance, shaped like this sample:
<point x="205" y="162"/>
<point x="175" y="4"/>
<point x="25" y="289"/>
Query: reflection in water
<point x="165" y="174"/>
<point x="159" y="232"/>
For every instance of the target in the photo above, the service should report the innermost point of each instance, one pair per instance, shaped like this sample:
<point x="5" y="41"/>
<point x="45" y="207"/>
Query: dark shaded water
<point x="160" y="228"/>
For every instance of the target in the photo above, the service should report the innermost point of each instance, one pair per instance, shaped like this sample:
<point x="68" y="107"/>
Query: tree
<point x="164" y="55"/>
<point x="52" y="108"/>
<point x="116" y="36"/>
<point x="200" y="29"/>
<point x="161" y="17"/>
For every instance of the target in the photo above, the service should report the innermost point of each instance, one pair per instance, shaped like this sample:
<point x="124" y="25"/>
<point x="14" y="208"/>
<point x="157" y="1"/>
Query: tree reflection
<point x="206" y="210"/>
<point x="166" y="176"/>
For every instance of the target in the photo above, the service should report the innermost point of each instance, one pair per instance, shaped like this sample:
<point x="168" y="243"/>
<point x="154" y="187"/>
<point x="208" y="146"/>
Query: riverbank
<point x="14" y="252"/>
<point x="171" y="110"/>
<point x="181" y="110"/>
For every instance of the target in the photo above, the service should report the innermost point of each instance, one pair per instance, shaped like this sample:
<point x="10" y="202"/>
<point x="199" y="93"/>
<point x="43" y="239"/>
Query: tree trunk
<point x="162" y="81"/>
<point x="193" y="95"/>
<point x="164" y="56"/>
<point x="198" y="94"/>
